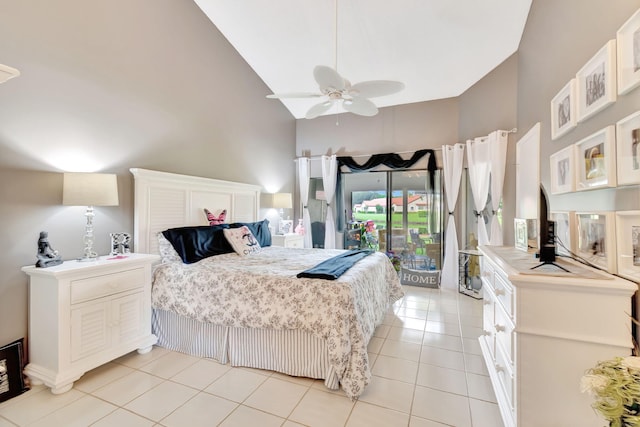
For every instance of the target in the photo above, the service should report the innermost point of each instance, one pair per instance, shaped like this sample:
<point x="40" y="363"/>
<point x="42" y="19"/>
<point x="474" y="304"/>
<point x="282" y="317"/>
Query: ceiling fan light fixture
<point x="354" y="98"/>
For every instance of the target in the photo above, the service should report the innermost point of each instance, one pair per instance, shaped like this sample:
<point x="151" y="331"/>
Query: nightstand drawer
<point x="108" y="284"/>
<point x="288" y="240"/>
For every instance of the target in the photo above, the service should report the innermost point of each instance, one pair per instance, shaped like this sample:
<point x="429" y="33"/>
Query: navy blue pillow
<point x="198" y="242"/>
<point x="259" y="229"/>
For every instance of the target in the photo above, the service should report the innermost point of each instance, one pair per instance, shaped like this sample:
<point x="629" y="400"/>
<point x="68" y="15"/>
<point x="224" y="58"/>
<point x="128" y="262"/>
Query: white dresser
<point x="288" y="240"/>
<point x="542" y="332"/>
<point x="84" y="314"/>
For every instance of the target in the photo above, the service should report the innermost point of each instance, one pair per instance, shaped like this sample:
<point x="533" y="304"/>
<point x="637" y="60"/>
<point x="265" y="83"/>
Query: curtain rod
<point x="361" y="155"/>
<point x="514" y="130"/>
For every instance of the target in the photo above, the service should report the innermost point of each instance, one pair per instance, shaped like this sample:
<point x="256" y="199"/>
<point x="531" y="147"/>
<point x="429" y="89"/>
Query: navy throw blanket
<point x="333" y="268"/>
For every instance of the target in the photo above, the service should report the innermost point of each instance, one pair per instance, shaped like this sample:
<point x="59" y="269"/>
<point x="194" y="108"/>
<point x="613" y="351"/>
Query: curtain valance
<point x="391" y="160"/>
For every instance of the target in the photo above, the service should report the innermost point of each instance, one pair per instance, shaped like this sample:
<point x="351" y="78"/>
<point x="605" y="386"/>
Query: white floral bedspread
<point x="261" y="291"/>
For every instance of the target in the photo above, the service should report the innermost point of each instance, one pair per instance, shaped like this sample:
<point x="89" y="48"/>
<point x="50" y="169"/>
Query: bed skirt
<point x="290" y="351"/>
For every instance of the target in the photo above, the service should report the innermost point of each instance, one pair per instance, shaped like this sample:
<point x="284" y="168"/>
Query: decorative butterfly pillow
<point x="242" y="240"/>
<point x="217" y="219"/>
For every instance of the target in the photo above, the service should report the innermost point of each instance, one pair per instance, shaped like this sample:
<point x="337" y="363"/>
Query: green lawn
<point x="415" y="219"/>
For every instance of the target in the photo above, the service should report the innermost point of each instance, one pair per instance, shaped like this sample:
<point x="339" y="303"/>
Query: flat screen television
<point x="546" y="230"/>
<point x="546" y="234"/>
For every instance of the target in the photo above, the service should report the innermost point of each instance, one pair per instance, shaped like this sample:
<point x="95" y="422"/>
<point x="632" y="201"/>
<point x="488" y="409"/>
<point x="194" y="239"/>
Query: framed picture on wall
<point x="562" y="170"/>
<point x="628" y="149"/>
<point x="596" y="82"/>
<point x="520" y="233"/>
<point x="628" y="48"/>
<point x="628" y="241"/>
<point x="563" y="110"/>
<point x="595" y="160"/>
<point x="565" y="231"/>
<point x="596" y="239"/>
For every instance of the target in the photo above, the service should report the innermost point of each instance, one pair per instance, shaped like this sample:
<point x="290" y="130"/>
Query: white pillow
<point x="242" y="240"/>
<point x="165" y="248"/>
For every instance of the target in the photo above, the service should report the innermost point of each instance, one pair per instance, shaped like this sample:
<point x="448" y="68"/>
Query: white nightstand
<point x="288" y="240"/>
<point x="85" y="314"/>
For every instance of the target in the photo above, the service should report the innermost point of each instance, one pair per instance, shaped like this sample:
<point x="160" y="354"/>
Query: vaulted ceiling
<point x="437" y="48"/>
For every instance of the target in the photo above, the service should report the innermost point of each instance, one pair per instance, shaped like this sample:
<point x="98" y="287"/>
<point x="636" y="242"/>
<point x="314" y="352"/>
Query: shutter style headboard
<point x="166" y="200"/>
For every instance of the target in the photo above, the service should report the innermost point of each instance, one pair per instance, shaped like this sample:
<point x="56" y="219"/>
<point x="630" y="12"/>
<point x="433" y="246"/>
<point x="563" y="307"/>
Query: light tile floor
<point x="426" y="365"/>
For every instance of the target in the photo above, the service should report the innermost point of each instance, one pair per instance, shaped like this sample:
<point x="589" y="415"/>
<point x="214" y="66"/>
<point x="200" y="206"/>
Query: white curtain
<point x="329" y="170"/>
<point x="479" y="161"/>
<point x="452" y="156"/>
<point x="303" y="178"/>
<point x="498" y="152"/>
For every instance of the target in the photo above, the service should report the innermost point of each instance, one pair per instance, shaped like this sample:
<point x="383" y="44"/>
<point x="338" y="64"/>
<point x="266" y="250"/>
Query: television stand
<point x="550" y="263"/>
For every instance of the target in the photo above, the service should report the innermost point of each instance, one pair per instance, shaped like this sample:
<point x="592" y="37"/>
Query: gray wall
<point x="107" y="86"/>
<point x="407" y="127"/>
<point x="559" y="38"/>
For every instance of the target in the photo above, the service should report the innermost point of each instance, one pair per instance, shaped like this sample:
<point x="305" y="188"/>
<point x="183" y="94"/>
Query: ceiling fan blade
<point x="374" y="88"/>
<point x="327" y="77"/>
<point x="318" y="109"/>
<point x="294" y="95"/>
<point x="360" y="106"/>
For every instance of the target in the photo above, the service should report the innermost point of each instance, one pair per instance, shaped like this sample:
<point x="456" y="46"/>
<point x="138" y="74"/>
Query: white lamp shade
<point x="282" y="201"/>
<point x="90" y="189"/>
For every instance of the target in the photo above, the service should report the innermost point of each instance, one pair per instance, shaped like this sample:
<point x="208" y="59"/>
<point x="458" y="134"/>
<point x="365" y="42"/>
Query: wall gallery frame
<point x="563" y="110"/>
<point x="526" y="233"/>
<point x="628" y="48"/>
<point x="596" y="239"/>
<point x="596" y="160"/>
<point x="566" y="234"/>
<point x="628" y="240"/>
<point x="628" y="149"/>
<point x="562" y="169"/>
<point x="596" y="82"/>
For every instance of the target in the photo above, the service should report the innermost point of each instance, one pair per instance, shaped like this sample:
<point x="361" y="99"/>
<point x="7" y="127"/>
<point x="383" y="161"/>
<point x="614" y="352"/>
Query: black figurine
<point x="47" y="257"/>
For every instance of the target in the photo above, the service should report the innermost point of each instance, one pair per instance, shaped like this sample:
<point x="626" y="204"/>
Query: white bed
<point x="267" y="318"/>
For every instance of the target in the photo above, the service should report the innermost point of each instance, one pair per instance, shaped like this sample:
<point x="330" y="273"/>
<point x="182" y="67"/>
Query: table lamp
<point x="89" y="189"/>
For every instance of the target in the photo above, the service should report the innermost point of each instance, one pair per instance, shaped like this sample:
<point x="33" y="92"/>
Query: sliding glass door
<point x="395" y="211"/>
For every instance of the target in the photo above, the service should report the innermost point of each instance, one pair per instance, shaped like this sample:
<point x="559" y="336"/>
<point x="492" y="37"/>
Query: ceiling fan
<point x="337" y="89"/>
<point x="354" y="98"/>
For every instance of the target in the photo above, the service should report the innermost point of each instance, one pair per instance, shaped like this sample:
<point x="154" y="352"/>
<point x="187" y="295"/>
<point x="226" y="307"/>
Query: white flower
<point x="631" y="362"/>
<point x="593" y="383"/>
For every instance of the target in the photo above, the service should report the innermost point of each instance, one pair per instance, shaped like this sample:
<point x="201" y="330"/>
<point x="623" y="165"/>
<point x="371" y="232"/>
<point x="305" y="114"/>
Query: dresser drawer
<point x="487" y="272"/>
<point x="505" y="375"/>
<point x="108" y="284"/>
<point x="504" y="294"/>
<point x="504" y="334"/>
<point x="488" y="321"/>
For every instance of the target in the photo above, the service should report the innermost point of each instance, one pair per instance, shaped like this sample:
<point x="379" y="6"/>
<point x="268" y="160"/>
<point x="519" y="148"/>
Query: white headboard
<point x="166" y="200"/>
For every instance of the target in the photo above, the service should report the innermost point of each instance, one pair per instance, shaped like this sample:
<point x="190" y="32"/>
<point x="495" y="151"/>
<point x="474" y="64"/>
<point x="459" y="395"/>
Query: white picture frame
<point x="596" y="82"/>
<point x="628" y="244"/>
<point x="562" y="170"/>
<point x="628" y="54"/>
<point x="628" y="149"/>
<point x="285" y="226"/>
<point x="595" y="160"/>
<point x="565" y="231"/>
<point x="525" y="233"/>
<point x="595" y="241"/>
<point x="563" y="110"/>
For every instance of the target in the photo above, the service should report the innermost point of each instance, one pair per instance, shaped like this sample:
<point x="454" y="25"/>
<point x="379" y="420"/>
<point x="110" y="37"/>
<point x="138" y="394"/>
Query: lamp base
<point x="89" y="254"/>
